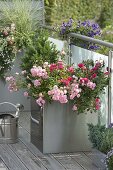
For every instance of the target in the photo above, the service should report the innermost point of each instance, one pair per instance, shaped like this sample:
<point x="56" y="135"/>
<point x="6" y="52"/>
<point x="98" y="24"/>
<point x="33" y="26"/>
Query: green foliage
<point x="110" y="164"/>
<point x="101" y="137"/>
<point x="49" y="5"/>
<point x="96" y="134"/>
<point x="106" y="14"/>
<point x="38" y="50"/>
<point x="107" y="35"/>
<point x="100" y="11"/>
<point x="107" y="140"/>
<point x="26" y="15"/>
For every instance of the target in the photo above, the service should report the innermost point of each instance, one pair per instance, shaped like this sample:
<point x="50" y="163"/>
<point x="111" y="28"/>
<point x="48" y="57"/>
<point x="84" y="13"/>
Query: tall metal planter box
<point x="56" y="128"/>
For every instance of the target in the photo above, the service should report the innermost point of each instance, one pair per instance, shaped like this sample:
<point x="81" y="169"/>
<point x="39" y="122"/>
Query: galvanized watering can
<point x="9" y="125"/>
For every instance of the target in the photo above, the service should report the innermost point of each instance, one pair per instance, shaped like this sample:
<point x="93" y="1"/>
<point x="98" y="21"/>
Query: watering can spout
<point x="19" y="107"/>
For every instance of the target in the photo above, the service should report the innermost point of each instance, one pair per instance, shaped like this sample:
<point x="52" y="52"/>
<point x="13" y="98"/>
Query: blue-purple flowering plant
<point x="66" y="28"/>
<point x="87" y="28"/>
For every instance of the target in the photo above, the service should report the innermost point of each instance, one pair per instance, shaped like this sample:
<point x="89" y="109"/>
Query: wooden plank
<point x="2" y="165"/>
<point x="97" y="158"/>
<point x="10" y="159"/>
<point x="53" y="161"/>
<point x="84" y="161"/>
<point x="26" y="157"/>
<point x="67" y="162"/>
<point x="24" y="120"/>
<point x="49" y="162"/>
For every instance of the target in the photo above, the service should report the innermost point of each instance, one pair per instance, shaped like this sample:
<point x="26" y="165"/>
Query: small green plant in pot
<point x="102" y="139"/>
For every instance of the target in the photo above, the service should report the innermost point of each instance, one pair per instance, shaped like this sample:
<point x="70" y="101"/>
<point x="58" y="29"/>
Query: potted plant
<point x="102" y="140"/>
<point x="62" y="95"/>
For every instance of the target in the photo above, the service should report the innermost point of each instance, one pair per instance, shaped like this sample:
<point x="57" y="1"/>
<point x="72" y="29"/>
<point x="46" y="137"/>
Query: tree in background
<point x="106" y="14"/>
<point x="61" y="10"/>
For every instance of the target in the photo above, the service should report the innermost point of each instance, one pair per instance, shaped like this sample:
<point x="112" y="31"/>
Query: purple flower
<point x="95" y="26"/>
<point x="87" y="28"/>
<point x="65" y="27"/>
<point x="110" y="125"/>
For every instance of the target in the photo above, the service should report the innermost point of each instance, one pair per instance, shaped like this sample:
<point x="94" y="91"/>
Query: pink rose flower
<point x="37" y="83"/>
<point x="81" y="65"/>
<point x="40" y="101"/>
<point x="71" y="69"/>
<point x="74" y="108"/>
<point x="26" y="94"/>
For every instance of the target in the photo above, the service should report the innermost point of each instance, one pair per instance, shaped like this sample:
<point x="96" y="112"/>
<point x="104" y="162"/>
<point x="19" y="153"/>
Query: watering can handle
<point x="16" y="107"/>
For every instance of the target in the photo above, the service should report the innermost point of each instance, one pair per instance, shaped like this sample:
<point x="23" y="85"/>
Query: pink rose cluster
<point x="39" y="72"/>
<point x="88" y="83"/>
<point x="12" y="84"/>
<point x="57" y="66"/>
<point x="58" y="94"/>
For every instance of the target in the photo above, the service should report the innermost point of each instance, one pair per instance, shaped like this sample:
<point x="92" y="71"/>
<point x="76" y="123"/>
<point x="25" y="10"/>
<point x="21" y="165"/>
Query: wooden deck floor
<point x="25" y="156"/>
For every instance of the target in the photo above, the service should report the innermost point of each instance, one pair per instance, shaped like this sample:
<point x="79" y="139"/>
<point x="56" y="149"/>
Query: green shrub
<point x="96" y="135"/>
<point x="40" y="49"/>
<point x="101" y="137"/>
<point x="107" y="140"/>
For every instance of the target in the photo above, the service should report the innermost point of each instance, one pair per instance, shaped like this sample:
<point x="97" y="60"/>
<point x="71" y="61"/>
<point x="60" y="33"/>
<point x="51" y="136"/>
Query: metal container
<point x="56" y="128"/>
<point x="9" y="125"/>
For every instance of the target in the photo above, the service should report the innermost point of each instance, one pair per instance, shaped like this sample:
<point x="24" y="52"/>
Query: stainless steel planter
<point x="57" y="128"/>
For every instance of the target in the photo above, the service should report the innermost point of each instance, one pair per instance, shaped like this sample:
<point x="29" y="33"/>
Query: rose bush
<point x="7" y="48"/>
<point x="59" y="82"/>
